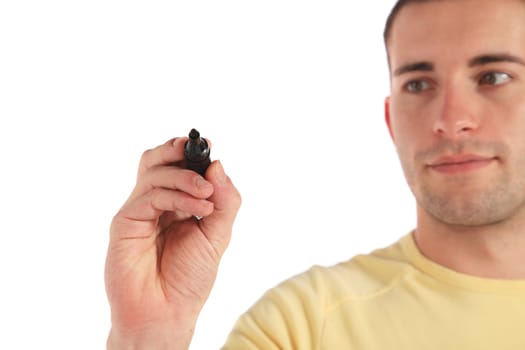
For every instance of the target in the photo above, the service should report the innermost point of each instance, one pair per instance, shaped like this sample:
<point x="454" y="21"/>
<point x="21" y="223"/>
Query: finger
<point x="177" y="201"/>
<point x="139" y="218"/>
<point x="170" y="152"/>
<point x="226" y="201"/>
<point x="171" y="177"/>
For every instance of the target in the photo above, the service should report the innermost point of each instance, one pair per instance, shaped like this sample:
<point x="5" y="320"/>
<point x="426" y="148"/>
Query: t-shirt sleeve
<point x="289" y="316"/>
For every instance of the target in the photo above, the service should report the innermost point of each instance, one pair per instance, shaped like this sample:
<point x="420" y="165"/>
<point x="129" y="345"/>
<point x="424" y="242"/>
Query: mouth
<point x="460" y="163"/>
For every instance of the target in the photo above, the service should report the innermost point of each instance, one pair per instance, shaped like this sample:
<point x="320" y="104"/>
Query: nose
<point x="458" y="115"/>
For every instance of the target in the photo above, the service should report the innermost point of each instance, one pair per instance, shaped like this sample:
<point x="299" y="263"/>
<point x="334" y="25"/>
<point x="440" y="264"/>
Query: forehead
<point x="456" y="30"/>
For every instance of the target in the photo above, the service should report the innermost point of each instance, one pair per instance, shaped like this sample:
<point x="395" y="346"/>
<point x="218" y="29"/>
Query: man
<point x="456" y="115"/>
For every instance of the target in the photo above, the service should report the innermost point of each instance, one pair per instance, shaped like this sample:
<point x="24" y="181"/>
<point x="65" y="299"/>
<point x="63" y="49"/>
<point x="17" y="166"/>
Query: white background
<point x="290" y="93"/>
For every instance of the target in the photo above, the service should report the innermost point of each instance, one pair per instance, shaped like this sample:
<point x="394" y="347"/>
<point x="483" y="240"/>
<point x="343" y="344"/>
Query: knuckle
<point x="116" y="218"/>
<point x="146" y="154"/>
<point x="237" y="198"/>
<point x="179" y="202"/>
<point x="117" y="222"/>
<point x="155" y="193"/>
<point x="145" y="157"/>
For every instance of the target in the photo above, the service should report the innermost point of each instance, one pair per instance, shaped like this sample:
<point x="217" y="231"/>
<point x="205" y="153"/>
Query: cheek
<point x="406" y="144"/>
<point x="514" y="138"/>
<point x="410" y="112"/>
<point x="410" y="132"/>
<point x="505" y="122"/>
<point x="408" y="163"/>
<point x="408" y="127"/>
<point x="414" y="121"/>
<point x="506" y="107"/>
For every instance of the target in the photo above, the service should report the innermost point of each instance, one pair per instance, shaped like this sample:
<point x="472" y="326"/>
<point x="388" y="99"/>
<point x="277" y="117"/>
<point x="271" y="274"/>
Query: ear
<point x="387" y="117"/>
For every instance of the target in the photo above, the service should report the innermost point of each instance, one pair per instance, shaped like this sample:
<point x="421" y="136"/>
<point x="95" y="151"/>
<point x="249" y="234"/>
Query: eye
<point x="416" y="86"/>
<point x="494" y="78"/>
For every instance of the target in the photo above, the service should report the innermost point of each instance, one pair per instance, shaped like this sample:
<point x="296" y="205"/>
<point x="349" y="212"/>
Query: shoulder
<point x="361" y="276"/>
<point x="293" y="313"/>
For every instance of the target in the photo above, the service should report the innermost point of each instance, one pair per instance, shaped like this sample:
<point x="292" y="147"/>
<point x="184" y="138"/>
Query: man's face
<point x="457" y="107"/>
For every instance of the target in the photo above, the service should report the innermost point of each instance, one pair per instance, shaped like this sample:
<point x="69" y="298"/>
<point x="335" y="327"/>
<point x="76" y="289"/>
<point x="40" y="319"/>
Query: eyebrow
<point x="494" y="58"/>
<point x="414" y="67"/>
<point x="425" y="66"/>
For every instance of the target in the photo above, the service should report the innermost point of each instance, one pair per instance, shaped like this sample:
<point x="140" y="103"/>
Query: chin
<point x="462" y="210"/>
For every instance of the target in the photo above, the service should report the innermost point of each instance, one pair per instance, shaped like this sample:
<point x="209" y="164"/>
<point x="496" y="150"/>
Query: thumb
<point x="226" y="201"/>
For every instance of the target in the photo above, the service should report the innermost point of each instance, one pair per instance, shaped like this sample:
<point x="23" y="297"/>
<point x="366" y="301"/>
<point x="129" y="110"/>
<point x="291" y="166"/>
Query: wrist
<point x="161" y="338"/>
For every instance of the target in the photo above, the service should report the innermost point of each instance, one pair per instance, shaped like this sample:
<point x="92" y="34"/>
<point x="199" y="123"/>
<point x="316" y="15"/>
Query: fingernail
<point x="201" y="183"/>
<point x="219" y="173"/>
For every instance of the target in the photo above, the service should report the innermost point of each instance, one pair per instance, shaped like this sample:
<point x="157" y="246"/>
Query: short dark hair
<point x="395" y="11"/>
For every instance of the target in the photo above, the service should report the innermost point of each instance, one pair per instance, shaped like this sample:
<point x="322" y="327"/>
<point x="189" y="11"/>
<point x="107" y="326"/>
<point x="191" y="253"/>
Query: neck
<point x="491" y="251"/>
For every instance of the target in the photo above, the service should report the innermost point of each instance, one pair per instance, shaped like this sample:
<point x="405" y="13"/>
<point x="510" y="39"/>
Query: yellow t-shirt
<point x="392" y="298"/>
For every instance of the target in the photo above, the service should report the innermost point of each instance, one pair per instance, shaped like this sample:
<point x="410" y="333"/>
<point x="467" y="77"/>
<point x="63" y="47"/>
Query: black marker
<point x="197" y="153"/>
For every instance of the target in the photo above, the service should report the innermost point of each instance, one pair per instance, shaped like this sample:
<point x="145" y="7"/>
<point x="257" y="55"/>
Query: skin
<point x="458" y="124"/>
<point x="458" y="129"/>
<point x="162" y="262"/>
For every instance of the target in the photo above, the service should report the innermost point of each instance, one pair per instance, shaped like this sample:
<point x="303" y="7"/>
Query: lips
<point x="460" y="163"/>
